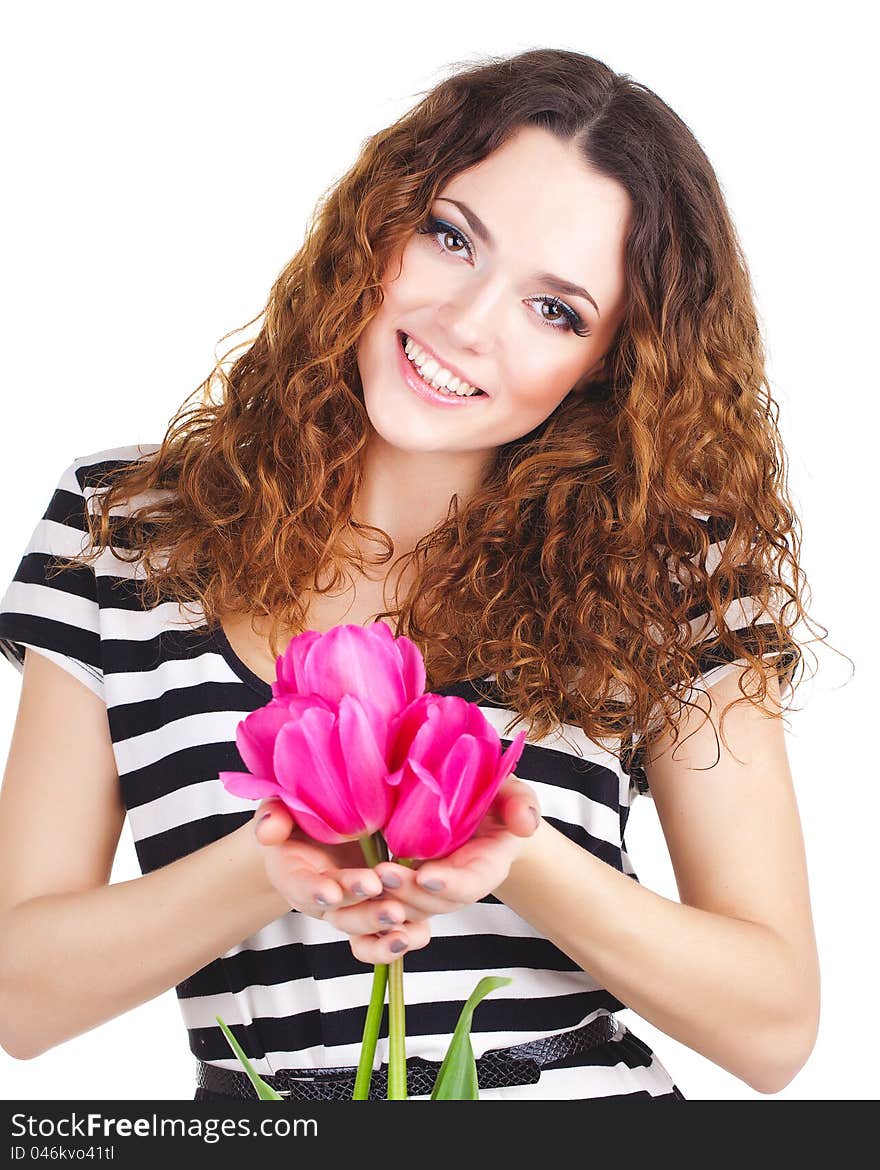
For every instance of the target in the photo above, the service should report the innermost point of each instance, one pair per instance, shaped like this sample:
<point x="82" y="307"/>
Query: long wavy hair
<point x="573" y="573"/>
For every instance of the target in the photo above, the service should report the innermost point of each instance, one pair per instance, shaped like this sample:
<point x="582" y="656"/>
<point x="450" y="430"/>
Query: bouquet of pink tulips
<point x="356" y="750"/>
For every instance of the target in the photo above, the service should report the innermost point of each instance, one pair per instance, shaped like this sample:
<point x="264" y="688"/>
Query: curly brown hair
<point x="576" y="570"/>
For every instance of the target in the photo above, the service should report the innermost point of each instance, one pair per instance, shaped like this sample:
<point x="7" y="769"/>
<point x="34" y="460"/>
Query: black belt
<point x="520" y="1065"/>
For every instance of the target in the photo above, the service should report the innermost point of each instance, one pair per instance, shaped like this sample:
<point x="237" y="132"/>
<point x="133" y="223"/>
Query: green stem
<point x="396" y="1026"/>
<point x="371" y="847"/>
<point x="396" y="1033"/>
<point x="371" y="1032"/>
<point x="373" y="850"/>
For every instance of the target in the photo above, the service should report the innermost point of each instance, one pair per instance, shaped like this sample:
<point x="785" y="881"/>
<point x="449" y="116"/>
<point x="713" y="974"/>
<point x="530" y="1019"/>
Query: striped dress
<point x="293" y="993"/>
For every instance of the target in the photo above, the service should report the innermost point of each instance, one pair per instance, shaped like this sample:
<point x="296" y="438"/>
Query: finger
<point x="472" y="870"/>
<point x="520" y="816"/>
<point x="369" y="917"/>
<point x="376" y="948"/>
<point x="419" y="902"/>
<point x="394" y="877"/>
<point x="273" y="823"/>
<point x="309" y="890"/>
<point x="359" y="884"/>
<point x="518" y="808"/>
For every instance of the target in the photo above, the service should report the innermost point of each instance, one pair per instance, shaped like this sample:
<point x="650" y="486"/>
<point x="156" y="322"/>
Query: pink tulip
<point x="255" y="739"/>
<point x="447" y="765"/>
<point x="325" y="762"/>
<point x="319" y="744"/>
<point x="368" y="662"/>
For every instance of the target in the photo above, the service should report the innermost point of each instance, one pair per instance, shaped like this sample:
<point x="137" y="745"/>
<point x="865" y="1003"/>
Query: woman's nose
<point x="472" y="314"/>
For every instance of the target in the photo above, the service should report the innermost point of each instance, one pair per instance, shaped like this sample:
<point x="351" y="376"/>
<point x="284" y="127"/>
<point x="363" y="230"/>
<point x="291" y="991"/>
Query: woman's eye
<point x="436" y="227"/>
<point x="568" y="322"/>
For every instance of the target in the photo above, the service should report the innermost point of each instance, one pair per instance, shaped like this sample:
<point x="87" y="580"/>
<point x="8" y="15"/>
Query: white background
<point x="162" y="162"/>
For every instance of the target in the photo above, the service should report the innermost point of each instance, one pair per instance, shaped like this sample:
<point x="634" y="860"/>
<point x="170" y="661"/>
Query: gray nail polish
<point x="390" y="881"/>
<point x="359" y="889"/>
<point x="433" y="885"/>
<point x="387" y="919"/>
<point x="321" y="901"/>
<point x="397" y="946"/>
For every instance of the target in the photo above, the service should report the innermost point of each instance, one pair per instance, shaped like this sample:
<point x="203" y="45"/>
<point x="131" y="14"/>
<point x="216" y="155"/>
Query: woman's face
<point x="479" y="290"/>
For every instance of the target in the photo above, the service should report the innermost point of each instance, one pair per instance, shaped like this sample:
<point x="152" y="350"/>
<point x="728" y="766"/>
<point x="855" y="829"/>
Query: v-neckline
<point x="241" y="669"/>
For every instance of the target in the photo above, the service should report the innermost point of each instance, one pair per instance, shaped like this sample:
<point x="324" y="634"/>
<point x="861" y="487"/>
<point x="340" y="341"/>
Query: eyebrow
<point x="547" y="278"/>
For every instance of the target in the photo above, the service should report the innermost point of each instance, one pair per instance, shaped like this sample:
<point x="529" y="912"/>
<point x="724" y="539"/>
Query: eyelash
<point x="574" y="323"/>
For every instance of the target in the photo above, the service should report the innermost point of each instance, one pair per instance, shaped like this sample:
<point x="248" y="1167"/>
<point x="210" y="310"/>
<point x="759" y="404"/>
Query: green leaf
<point x="264" y="1092"/>
<point x="457" y="1079"/>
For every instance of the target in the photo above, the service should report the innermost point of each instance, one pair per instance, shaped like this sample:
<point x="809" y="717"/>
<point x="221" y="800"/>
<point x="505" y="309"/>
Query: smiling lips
<point x="437" y="373"/>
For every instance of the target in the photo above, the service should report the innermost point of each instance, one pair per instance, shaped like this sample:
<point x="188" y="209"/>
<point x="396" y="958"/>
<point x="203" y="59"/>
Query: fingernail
<point x="397" y="946"/>
<point x="359" y="889"/>
<point x="534" y="813"/>
<point x="264" y="817"/>
<point x="433" y="885"/>
<point x="390" y="882"/>
<point x="387" y="919"/>
<point x="321" y="900"/>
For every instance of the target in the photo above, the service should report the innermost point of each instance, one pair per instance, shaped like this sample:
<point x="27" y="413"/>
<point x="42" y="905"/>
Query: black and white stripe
<point x="293" y="993"/>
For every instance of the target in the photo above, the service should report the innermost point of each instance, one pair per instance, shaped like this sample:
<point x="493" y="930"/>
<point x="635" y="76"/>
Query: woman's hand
<point x="386" y="910"/>
<point x="470" y="873"/>
<point x="310" y="875"/>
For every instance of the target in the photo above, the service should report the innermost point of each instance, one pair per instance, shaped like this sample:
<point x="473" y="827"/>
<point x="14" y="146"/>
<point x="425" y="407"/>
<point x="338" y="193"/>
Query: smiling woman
<point x="485" y="318"/>
<point x="519" y="350"/>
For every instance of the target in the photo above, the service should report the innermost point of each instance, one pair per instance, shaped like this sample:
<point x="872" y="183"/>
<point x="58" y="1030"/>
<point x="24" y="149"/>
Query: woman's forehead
<point x="544" y="207"/>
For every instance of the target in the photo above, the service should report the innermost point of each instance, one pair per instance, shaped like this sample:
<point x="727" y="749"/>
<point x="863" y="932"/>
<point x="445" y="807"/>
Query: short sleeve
<point x="742" y="614"/>
<point x="56" y="613"/>
<point x="715" y="661"/>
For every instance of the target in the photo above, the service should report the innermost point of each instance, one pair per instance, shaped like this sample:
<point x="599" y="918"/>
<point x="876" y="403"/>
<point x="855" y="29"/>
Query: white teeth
<point x="435" y="374"/>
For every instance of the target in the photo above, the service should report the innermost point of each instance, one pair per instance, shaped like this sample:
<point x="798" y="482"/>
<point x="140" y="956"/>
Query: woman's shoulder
<point x="92" y="469"/>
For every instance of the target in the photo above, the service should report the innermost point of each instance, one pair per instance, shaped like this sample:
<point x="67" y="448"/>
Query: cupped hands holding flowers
<point x="351" y="751"/>
<point x="303" y="871"/>
<point x="350" y="734"/>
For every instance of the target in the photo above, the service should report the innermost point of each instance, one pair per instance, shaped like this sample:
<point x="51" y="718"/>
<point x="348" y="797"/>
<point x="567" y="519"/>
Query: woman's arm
<point x="75" y="951"/>
<point x="73" y="961"/>
<point x="732" y="971"/>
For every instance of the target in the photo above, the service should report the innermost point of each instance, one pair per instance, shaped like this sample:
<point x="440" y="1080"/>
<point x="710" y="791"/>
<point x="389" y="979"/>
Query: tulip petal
<point x="452" y="718"/>
<point x="512" y="755"/>
<point x="290" y="678"/>
<point x="402" y="730"/>
<point x="248" y="786"/>
<point x="464" y="774"/>
<point x="419" y="824"/>
<point x="297" y="705"/>
<point x="312" y="824"/>
<point x="362" y="735"/>
<point x="432" y="740"/>
<point x="412" y="666"/>
<point x="352" y="659"/>
<point x="310" y="768"/>
<point x="478" y="788"/>
<point x="465" y="826"/>
<point x="479" y="726"/>
<point x="255" y="736"/>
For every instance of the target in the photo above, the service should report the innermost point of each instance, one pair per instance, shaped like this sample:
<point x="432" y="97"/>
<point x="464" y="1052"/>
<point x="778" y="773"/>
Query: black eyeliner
<point x="432" y="226"/>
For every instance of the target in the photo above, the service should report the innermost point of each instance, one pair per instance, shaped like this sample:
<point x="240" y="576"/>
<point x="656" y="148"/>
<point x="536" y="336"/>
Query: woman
<point x="518" y="349"/>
